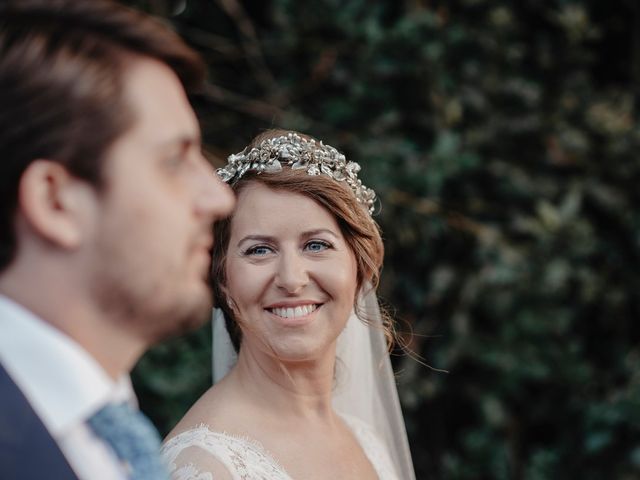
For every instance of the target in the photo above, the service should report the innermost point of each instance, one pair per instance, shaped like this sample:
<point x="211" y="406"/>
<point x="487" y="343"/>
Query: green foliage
<point x="172" y="375"/>
<point x="502" y="138"/>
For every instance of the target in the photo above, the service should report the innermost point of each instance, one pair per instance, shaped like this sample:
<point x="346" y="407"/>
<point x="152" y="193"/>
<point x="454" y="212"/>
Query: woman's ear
<point x="231" y="304"/>
<point x="223" y="296"/>
<point x="51" y="201"/>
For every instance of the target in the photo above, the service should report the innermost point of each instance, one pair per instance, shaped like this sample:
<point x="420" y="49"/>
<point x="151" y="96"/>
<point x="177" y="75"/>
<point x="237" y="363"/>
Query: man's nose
<point x="215" y="199"/>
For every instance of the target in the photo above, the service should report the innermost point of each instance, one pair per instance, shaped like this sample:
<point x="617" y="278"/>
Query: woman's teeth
<point x="293" y="312"/>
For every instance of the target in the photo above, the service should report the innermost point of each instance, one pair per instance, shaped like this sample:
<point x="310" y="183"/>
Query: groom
<point x="106" y="208"/>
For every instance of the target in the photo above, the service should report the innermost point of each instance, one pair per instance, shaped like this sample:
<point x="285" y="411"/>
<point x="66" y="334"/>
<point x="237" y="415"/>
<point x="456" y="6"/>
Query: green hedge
<point x="503" y="140"/>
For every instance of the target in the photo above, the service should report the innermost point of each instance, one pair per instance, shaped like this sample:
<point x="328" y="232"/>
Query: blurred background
<point x="502" y="138"/>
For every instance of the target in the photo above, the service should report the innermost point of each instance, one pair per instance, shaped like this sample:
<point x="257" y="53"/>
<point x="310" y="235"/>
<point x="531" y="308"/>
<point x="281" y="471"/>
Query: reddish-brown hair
<point x="62" y="65"/>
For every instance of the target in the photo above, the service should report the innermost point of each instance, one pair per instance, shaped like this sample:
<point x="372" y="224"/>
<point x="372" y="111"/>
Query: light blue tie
<point x="134" y="439"/>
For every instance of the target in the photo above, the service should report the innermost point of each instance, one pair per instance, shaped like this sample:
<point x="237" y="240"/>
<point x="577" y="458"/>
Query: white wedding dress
<point x="189" y="453"/>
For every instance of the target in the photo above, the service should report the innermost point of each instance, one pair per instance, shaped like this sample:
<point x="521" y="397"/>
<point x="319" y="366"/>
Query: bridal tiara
<point x="298" y="153"/>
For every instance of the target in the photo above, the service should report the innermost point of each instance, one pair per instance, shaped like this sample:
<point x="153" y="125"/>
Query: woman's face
<point x="291" y="277"/>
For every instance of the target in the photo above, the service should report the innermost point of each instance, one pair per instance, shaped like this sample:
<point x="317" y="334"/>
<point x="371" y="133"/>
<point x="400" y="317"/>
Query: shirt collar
<point x="64" y="384"/>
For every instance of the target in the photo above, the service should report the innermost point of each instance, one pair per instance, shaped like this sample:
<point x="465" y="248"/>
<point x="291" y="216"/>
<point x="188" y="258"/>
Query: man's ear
<point x="50" y="199"/>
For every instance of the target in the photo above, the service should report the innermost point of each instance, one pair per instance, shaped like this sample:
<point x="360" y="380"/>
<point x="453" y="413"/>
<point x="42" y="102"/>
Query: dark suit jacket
<point x="27" y="450"/>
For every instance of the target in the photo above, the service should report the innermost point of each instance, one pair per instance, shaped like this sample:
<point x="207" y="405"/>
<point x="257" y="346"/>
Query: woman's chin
<point x="301" y="351"/>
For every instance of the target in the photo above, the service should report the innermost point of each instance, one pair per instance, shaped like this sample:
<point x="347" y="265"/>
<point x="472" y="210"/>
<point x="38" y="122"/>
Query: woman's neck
<point x="301" y="388"/>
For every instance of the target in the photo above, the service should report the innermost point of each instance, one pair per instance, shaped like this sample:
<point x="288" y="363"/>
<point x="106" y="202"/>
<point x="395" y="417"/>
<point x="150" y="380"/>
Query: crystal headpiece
<point x="298" y="153"/>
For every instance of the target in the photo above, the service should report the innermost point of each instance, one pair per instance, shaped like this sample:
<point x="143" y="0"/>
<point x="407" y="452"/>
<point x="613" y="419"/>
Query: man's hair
<point x="62" y="68"/>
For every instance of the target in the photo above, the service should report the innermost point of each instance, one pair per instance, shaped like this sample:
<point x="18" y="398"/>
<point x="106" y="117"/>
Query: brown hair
<point x="360" y="231"/>
<point x="62" y="64"/>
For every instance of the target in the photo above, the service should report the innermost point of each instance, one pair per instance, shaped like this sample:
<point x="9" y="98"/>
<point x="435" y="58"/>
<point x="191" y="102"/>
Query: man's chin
<point x="185" y="319"/>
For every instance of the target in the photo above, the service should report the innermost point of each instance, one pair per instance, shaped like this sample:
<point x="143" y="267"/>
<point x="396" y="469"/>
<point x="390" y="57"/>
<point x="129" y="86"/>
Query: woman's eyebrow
<point x="312" y="233"/>
<point x="270" y="239"/>
<point x="255" y="238"/>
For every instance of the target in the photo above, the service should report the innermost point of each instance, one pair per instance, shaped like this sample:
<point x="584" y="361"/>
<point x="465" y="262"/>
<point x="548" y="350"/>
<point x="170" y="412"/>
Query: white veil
<point x="366" y="386"/>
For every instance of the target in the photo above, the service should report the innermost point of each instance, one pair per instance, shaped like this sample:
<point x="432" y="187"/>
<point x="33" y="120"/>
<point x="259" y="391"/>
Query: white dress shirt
<point x="65" y="387"/>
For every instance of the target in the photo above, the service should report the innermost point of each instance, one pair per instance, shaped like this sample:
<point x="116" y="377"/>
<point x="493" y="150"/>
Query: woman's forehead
<point x="259" y="207"/>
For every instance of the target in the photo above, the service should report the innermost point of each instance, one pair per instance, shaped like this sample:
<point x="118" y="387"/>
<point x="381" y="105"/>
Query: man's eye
<point x="174" y="161"/>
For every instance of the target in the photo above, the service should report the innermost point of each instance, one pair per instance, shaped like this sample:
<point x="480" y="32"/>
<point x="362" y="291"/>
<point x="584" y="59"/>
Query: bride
<point x="310" y="393"/>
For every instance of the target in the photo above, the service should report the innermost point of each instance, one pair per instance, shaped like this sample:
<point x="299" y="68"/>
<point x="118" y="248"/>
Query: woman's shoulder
<point x="203" y="411"/>
<point x="216" y="409"/>
<point x="201" y="451"/>
<point x="221" y="445"/>
<point x="206" y="444"/>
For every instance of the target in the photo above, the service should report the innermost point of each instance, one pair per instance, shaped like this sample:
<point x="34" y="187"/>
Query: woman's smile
<point x="295" y="315"/>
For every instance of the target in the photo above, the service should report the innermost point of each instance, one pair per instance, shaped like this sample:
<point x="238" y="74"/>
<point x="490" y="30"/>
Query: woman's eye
<point x="258" y="250"/>
<point x="317" y="246"/>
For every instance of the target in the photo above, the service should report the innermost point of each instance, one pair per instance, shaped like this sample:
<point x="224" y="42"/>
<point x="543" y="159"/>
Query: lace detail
<point x="247" y="459"/>
<point x="190" y="472"/>
<point x="244" y="458"/>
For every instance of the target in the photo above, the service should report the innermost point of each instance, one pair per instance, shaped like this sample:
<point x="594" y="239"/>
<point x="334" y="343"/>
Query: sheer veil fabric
<point x="365" y="383"/>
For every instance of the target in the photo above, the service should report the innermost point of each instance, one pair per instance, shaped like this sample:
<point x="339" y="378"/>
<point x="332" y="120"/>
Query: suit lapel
<point x="27" y="450"/>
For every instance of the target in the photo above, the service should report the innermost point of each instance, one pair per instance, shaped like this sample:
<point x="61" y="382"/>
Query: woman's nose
<point x="292" y="275"/>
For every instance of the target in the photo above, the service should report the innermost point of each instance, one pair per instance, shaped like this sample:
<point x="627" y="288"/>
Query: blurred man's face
<point x="150" y="259"/>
